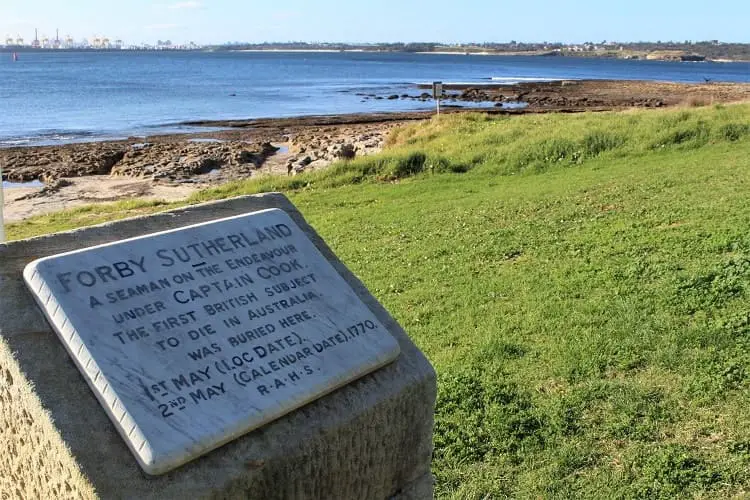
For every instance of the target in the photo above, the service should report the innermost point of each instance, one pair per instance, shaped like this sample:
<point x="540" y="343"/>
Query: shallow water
<point x="31" y="184"/>
<point x="200" y="140"/>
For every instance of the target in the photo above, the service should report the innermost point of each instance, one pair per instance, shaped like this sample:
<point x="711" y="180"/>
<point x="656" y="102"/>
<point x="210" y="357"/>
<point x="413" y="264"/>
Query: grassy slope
<point x="581" y="290"/>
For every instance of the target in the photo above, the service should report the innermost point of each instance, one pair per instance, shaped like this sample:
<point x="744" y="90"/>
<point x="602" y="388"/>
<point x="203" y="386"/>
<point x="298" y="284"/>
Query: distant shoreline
<point x="27" y="50"/>
<point x="547" y="53"/>
<point x="653" y="55"/>
<point x="322" y="51"/>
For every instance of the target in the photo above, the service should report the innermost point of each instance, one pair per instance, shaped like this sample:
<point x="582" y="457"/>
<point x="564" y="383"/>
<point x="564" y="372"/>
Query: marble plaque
<point x="192" y="337"/>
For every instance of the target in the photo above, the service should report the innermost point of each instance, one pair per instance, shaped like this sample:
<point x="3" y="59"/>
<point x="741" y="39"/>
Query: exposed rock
<point x="347" y="152"/>
<point x="341" y="143"/>
<point x="246" y="157"/>
<point x="192" y="159"/>
<point x="165" y="160"/>
<point x="267" y="149"/>
<point x="317" y="164"/>
<point x="474" y="95"/>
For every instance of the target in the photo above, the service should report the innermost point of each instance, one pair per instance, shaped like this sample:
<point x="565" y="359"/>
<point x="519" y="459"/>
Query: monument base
<point x="369" y="439"/>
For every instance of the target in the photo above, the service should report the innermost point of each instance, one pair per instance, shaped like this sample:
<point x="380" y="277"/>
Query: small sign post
<point x="437" y="93"/>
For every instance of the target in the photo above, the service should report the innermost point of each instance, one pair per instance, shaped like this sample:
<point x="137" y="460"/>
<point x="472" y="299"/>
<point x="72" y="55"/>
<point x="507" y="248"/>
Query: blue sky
<point x="219" y="21"/>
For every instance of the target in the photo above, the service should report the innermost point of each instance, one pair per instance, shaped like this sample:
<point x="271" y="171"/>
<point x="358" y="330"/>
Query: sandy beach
<point x="171" y="167"/>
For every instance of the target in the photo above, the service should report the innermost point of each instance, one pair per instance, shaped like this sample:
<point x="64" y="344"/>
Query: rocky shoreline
<point x="210" y="158"/>
<point x="582" y="95"/>
<point x="287" y="146"/>
<point x="171" y="167"/>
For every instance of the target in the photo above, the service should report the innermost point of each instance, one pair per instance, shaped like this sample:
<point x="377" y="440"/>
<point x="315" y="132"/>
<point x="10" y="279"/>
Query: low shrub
<point x="598" y="142"/>
<point x="734" y="131"/>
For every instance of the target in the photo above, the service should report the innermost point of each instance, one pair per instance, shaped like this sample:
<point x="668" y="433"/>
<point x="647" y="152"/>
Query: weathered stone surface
<point x="163" y="160"/>
<point x="369" y="439"/>
<point x="192" y="337"/>
<point x="168" y="161"/>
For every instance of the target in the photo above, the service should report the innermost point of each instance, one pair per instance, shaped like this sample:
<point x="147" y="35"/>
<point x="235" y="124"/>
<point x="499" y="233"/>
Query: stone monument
<point x="230" y="349"/>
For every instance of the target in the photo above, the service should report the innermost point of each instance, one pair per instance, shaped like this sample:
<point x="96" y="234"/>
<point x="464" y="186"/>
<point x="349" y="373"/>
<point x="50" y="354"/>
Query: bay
<point x="57" y="97"/>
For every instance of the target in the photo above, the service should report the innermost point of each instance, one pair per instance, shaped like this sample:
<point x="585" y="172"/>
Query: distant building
<point x="97" y="42"/>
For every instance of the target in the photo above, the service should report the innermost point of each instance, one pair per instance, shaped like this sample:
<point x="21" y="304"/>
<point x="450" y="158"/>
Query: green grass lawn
<point x="581" y="284"/>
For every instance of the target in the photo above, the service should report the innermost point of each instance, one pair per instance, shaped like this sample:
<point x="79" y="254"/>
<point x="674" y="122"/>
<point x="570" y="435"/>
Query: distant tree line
<point x="712" y="49"/>
<point x="381" y="47"/>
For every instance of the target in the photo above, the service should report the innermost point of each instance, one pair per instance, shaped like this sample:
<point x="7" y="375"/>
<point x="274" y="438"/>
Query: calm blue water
<point x="11" y="185"/>
<point x="62" y="97"/>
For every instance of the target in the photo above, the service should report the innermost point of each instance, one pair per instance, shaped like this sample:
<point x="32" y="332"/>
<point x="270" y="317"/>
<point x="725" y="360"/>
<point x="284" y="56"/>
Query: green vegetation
<point x="84" y="216"/>
<point x="580" y="282"/>
<point x="712" y="49"/>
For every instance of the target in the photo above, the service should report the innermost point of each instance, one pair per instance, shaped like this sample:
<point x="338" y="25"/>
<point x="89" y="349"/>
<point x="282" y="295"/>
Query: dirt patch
<point x="21" y="203"/>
